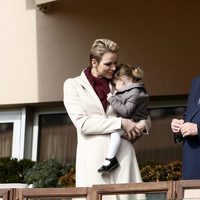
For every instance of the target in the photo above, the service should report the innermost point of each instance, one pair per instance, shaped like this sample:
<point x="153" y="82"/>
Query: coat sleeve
<point x="99" y="124"/>
<point x="123" y="108"/>
<point x="147" y="124"/>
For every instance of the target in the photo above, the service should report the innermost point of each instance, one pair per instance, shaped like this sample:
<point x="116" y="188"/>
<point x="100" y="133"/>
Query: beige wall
<point x="39" y="51"/>
<point x="18" y="53"/>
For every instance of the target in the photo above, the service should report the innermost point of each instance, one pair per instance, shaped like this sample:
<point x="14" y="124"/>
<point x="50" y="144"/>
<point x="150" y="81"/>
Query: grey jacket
<point x="131" y="103"/>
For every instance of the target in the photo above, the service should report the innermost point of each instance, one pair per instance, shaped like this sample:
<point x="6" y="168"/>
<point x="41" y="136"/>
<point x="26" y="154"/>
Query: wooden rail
<point x="187" y="189"/>
<point x="23" y="194"/>
<point x="6" y="194"/>
<point x="98" y="191"/>
<point x="173" y="190"/>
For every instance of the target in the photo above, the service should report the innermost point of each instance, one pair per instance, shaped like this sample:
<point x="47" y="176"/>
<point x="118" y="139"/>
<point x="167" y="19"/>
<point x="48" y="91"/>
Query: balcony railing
<point x="173" y="190"/>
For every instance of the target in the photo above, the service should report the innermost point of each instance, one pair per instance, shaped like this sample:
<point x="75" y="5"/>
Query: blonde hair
<point x="135" y="73"/>
<point x="100" y="47"/>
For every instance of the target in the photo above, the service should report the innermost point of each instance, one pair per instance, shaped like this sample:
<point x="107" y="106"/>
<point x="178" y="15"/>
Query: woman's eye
<point x="108" y="64"/>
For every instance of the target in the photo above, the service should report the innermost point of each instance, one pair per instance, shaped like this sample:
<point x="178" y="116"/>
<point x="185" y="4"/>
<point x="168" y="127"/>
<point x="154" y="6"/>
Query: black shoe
<point x="107" y="168"/>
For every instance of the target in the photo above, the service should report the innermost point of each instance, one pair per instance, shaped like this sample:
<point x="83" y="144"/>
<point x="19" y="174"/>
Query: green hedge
<point x="51" y="173"/>
<point x="13" y="170"/>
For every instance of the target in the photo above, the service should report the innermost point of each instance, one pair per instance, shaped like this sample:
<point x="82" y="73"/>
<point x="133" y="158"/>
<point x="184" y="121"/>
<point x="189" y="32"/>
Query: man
<point x="188" y="130"/>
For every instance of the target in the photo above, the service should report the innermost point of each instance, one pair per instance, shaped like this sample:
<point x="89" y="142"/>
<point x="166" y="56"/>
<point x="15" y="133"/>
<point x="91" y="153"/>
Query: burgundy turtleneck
<point x="100" y="85"/>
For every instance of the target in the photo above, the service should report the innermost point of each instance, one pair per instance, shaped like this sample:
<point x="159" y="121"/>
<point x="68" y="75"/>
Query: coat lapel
<point x="196" y="108"/>
<point x="83" y="81"/>
<point x="194" y="102"/>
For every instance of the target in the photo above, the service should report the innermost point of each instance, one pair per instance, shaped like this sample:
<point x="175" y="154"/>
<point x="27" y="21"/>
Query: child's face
<point x="119" y="84"/>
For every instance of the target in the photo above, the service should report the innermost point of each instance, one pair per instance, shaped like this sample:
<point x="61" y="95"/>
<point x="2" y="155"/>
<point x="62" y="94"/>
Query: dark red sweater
<point x="100" y="85"/>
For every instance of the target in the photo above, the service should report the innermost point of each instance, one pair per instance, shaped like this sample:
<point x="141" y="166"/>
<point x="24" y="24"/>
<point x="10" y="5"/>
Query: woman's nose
<point x="113" y="67"/>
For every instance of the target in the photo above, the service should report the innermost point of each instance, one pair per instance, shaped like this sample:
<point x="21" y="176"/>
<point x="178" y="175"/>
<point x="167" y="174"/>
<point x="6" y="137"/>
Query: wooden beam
<point x="39" y="2"/>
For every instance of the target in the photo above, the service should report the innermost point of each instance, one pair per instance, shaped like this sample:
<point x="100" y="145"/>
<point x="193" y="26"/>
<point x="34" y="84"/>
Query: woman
<point x="85" y="99"/>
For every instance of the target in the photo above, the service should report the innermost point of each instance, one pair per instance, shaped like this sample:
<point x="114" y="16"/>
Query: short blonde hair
<point x="100" y="47"/>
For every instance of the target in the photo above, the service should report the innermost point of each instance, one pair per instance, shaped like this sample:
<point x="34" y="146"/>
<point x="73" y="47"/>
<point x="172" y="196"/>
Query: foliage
<point x="174" y="171"/>
<point x="68" y="179"/>
<point x="161" y="172"/>
<point x="13" y="170"/>
<point x="51" y="173"/>
<point x="45" y="174"/>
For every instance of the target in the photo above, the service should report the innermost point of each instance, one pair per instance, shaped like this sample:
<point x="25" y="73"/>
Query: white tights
<point x="115" y="141"/>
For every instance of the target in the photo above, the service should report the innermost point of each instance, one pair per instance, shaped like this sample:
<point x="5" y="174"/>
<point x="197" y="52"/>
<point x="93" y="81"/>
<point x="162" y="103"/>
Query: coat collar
<point x="86" y="84"/>
<point x="132" y="86"/>
<point x="82" y="79"/>
<point x="195" y="109"/>
<point x="194" y="102"/>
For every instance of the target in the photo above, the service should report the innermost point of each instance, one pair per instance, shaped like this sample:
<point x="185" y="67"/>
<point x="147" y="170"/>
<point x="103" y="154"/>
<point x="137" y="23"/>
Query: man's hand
<point x="176" y="125"/>
<point x="188" y="128"/>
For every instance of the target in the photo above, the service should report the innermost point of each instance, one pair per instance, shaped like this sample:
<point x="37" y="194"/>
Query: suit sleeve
<point x="84" y="123"/>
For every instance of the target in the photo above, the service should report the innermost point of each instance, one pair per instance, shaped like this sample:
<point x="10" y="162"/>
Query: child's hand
<point x="109" y="95"/>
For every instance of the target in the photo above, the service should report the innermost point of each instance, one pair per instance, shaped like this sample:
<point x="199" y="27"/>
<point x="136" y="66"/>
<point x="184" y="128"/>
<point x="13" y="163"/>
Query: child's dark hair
<point x="136" y="73"/>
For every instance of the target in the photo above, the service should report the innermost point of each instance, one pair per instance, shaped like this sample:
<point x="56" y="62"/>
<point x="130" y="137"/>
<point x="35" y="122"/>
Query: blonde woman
<point x="85" y="99"/>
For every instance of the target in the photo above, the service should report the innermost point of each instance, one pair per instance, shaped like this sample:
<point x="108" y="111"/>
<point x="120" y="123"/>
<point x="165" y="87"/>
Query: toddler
<point x="129" y="101"/>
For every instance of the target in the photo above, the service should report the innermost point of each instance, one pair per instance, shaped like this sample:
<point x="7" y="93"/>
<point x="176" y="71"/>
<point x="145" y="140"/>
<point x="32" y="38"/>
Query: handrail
<point x="173" y="190"/>
<point x="133" y="188"/>
<point x="183" y="187"/>
<point x="22" y="194"/>
<point x="6" y="194"/>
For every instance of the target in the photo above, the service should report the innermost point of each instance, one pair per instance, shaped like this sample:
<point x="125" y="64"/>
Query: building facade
<point x="44" y="42"/>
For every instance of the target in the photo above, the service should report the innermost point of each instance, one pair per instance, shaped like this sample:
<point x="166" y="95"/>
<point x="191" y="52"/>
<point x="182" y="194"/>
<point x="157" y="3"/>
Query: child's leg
<point x="115" y="140"/>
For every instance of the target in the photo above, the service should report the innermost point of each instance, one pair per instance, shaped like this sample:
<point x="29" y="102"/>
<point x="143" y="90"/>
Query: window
<point x="12" y="133"/>
<point x="159" y="145"/>
<point x="6" y="138"/>
<point x="54" y="137"/>
<point x="43" y="133"/>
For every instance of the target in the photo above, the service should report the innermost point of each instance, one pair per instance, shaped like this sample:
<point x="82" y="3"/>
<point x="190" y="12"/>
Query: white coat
<point x="94" y="126"/>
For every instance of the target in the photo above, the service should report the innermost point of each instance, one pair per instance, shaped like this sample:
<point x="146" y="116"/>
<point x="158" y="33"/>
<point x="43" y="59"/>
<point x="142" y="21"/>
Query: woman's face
<point x="106" y="67"/>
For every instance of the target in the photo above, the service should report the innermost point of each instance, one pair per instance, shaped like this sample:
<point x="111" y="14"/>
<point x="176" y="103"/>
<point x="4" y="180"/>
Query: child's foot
<point x="112" y="165"/>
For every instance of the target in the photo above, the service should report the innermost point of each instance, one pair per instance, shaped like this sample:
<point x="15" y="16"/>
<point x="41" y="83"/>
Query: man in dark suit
<point x="189" y="130"/>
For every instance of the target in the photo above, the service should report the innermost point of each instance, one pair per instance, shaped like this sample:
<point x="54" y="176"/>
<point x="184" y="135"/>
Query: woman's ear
<point x="94" y="62"/>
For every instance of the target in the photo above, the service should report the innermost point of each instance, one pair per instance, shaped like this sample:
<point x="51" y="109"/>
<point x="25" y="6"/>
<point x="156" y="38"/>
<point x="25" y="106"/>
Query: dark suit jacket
<point x="191" y="144"/>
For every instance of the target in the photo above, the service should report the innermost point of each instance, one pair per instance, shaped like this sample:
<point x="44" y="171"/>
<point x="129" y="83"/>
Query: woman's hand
<point x="132" y="129"/>
<point x="141" y="126"/>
